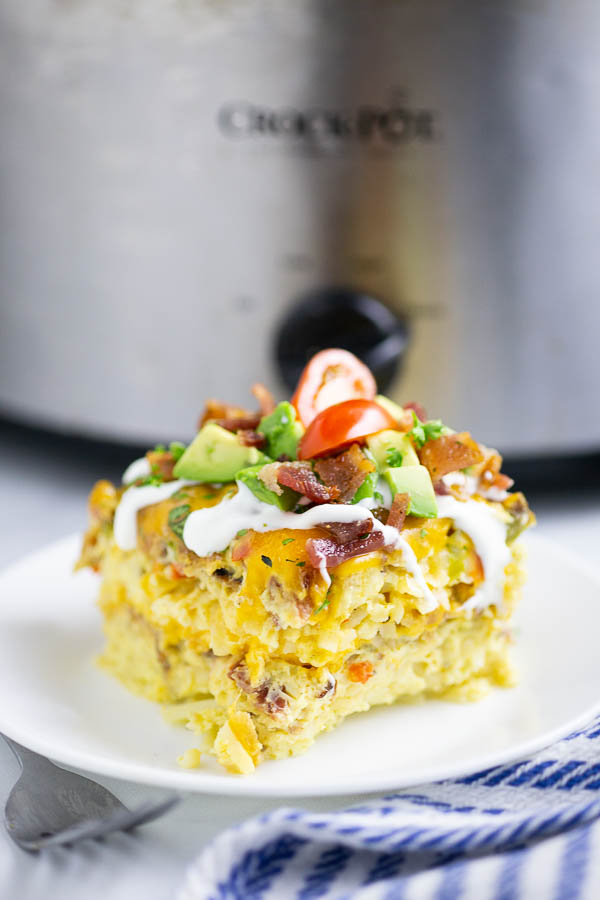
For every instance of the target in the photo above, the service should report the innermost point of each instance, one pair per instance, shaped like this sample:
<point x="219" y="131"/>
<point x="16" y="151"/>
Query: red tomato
<point x="343" y="424"/>
<point x="331" y="377"/>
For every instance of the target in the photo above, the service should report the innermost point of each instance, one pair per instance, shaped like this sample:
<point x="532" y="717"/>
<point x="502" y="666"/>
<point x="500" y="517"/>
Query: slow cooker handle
<point x="341" y="317"/>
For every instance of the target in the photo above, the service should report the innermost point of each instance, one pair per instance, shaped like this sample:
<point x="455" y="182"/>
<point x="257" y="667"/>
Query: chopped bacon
<point x="440" y="488"/>
<point x="227" y="416"/>
<point x="265" y="398"/>
<point x="361" y="671"/>
<point x="242" y="547"/>
<point x="418" y="409"/>
<point x="250" y="438"/>
<point x="162" y="463"/>
<point x="266" y="694"/>
<point x="449" y="453"/>
<point x="398" y="511"/>
<point x="240" y="423"/>
<point x="346" y="472"/>
<point x="501" y="482"/>
<point x="332" y="554"/>
<point x="301" y="478"/>
<point x="344" y="532"/>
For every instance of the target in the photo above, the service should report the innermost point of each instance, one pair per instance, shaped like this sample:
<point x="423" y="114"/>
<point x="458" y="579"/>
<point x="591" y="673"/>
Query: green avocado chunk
<point x="392" y="448"/>
<point x="216" y="455"/>
<point x="286" y="500"/>
<point x="416" y="482"/>
<point x="394" y="409"/>
<point x="369" y="485"/>
<point x="282" y="431"/>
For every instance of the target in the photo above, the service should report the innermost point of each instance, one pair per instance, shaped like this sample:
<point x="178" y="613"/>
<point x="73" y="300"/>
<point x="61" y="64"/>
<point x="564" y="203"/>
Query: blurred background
<point x="197" y="194"/>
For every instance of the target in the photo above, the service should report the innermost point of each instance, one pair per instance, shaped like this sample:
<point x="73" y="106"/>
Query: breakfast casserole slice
<point x="305" y="562"/>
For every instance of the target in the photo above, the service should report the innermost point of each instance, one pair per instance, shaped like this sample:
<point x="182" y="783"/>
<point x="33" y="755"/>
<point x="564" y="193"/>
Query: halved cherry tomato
<point x="331" y="377"/>
<point x="343" y="424"/>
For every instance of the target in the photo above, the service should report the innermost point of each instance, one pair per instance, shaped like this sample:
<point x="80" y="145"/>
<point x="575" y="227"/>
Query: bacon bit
<point x="346" y="472"/>
<point x="300" y="477"/>
<point x="240" y="423"/>
<point x="501" y="482"/>
<point x="360" y="672"/>
<point x="449" y="453"/>
<point x="266" y="694"/>
<point x="251" y="438"/>
<point x="441" y="489"/>
<point x="265" y="398"/>
<point x="162" y="463"/>
<point x="398" y="511"/>
<point x="242" y="547"/>
<point x="328" y="689"/>
<point x="344" y="532"/>
<point x="332" y="554"/>
<point x="418" y="409"/>
<point x="225" y="412"/>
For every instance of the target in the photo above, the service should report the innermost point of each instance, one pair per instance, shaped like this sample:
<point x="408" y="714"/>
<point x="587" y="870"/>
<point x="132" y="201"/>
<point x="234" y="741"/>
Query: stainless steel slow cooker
<point x="194" y="195"/>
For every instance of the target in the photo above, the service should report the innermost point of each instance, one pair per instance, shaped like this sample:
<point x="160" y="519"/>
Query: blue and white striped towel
<point x="526" y="830"/>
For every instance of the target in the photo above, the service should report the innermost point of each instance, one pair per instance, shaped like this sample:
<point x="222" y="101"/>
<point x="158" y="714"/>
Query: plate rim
<point x="198" y="782"/>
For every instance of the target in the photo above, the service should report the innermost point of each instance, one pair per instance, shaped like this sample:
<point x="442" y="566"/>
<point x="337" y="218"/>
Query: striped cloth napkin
<point x="525" y="830"/>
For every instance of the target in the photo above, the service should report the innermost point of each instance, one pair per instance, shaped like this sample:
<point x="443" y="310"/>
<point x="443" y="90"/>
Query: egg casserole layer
<point x="253" y="650"/>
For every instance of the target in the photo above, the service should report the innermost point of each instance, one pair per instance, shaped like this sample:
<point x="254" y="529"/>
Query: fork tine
<point x="122" y="820"/>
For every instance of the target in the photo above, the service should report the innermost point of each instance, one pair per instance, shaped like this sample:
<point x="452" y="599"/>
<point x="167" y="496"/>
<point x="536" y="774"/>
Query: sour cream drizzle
<point x="212" y="529"/>
<point x="488" y="533"/>
<point x="134" y="499"/>
<point x="139" y="468"/>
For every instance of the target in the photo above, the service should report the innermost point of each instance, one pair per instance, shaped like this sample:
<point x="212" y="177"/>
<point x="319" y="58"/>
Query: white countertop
<point x="44" y="483"/>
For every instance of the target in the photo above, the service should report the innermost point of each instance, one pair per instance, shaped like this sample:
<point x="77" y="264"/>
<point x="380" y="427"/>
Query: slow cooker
<point x="196" y="195"/>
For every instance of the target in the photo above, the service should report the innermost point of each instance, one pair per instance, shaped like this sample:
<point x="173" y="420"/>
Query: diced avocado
<point x="282" y="431"/>
<point x="286" y="500"/>
<point x="416" y="482"/>
<point x="392" y="448"/>
<point x="369" y="485"/>
<point x="215" y="455"/>
<point x="394" y="409"/>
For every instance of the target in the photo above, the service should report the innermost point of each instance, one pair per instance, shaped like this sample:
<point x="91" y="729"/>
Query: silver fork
<point x="49" y="806"/>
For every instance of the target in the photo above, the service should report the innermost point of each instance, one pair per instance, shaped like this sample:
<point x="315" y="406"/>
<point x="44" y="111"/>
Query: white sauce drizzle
<point x="139" y="468"/>
<point x="134" y="499"/>
<point x="212" y="529"/>
<point x="488" y="533"/>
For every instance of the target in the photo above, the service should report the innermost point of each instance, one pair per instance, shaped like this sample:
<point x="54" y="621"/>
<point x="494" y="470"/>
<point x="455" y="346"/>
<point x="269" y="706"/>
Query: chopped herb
<point x="426" y="431"/>
<point x="377" y="495"/>
<point x="362" y="536"/>
<point x="180" y="495"/>
<point x="242" y="532"/>
<point x="323" y="605"/>
<point x="423" y="532"/>
<point x="177" y="449"/>
<point x="267" y="560"/>
<point x="152" y="480"/>
<point x="288" y="541"/>
<point x="208" y="496"/>
<point x="177" y="517"/>
<point x="393" y="457"/>
<point x="155" y="469"/>
<point x="301" y="563"/>
<point x="160" y="448"/>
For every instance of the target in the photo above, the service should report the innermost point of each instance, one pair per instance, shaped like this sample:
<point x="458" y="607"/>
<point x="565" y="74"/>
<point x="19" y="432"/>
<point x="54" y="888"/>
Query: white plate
<point x="53" y="698"/>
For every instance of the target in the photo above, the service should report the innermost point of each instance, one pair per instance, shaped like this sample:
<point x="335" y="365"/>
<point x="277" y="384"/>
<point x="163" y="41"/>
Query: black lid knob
<point x="340" y="317"/>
